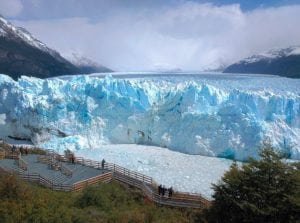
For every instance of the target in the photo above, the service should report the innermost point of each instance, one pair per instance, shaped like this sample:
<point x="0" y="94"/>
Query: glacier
<point x="214" y="115"/>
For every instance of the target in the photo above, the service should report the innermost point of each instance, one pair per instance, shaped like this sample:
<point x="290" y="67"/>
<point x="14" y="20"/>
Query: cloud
<point x="10" y="8"/>
<point x="189" y="35"/>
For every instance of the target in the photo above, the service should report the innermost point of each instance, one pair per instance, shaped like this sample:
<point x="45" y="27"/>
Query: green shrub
<point x="114" y="202"/>
<point x="265" y="190"/>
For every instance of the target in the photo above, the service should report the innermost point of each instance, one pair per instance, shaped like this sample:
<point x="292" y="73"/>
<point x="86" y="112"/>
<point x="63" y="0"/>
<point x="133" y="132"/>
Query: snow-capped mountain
<point x="87" y="65"/>
<point x="274" y="54"/>
<point x="22" y="54"/>
<point x="7" y="30"/>
<point x="283" y="62"/>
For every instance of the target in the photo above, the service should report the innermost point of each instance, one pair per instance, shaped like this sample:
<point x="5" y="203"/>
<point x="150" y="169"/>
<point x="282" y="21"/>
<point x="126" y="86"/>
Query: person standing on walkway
<point x="103" y="163"/>
<point x="21" y="150"/>
<point x="26" y="151"/>
<point x="73" y="158"/>
<point x="159" y="189"/>
<point x="170" y="191"/>
<point x="163" y="191"/>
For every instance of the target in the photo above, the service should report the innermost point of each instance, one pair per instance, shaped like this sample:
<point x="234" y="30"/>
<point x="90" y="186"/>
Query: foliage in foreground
<point x="265" y="190"/>
<point x="23" y="202"/>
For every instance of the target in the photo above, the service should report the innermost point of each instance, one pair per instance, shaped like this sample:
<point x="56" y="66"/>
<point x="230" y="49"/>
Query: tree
<point x="264" y="190"/>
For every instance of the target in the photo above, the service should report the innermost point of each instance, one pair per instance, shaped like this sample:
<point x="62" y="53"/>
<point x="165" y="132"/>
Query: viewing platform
<point x="71" y="173"/>
<point x="79" y="172"/>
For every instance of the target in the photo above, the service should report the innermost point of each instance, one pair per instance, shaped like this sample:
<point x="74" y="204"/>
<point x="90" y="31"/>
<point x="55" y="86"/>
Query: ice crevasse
<point x="190" y="117"/>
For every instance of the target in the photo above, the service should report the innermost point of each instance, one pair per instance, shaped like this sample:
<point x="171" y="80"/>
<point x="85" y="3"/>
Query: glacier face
<point x="193" y="114"/>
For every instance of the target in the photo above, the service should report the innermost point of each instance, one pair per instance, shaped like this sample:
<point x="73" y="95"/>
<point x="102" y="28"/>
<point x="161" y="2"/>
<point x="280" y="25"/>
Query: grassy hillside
<point x="114" y="202"/>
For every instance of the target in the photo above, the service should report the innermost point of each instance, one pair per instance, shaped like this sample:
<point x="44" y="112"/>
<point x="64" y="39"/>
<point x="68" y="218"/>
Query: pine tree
<point x="264" y="190"/>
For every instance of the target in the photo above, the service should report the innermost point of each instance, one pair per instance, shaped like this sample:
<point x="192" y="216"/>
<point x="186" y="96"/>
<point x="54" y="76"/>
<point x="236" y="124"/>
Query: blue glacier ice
<point x="211" y="115"/>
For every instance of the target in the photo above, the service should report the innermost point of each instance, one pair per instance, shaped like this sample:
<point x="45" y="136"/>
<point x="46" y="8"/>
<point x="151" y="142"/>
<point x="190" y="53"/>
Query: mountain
<point x="22" y="54"/>
<point x="283" y="62"/>
<point x="87" y="65"/>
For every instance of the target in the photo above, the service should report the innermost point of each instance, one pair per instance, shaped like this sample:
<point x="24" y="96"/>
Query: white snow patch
<point x="272" y="54"/>
<point x="295" y="51"/>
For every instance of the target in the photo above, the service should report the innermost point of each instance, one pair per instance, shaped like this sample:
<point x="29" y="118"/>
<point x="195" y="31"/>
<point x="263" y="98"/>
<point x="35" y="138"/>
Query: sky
<point x="137" y="35"/>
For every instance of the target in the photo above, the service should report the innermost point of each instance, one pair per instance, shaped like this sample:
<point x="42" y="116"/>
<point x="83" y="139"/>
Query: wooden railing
<point x="173" y="201"/>
<point x="88" y="162"/>
<point x="107" y="166"/>
<point x="11" y="155"/>
<point x="35" y="177"/>
<point x="141" y="181"/>
<point x="150" y="191"/>
<point x="126" y="172"/>
<point x="2" y="154"/>
<point x="44" y="159"/>
<point x="106" y="177"/>
<point x="114" y="168"/>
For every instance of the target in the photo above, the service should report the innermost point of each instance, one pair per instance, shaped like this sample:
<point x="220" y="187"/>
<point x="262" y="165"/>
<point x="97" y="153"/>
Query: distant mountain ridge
<point x="283" y="62"/>
<point x="23" y="54"/>
<point x="87" y="65"/>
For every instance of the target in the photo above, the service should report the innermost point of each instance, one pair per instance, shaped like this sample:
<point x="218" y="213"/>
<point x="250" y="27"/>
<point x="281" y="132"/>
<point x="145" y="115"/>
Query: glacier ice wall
<point x="192" y="117"/>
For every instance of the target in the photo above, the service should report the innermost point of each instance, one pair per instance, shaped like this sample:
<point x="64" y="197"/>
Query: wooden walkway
<point x="55" y="171"/>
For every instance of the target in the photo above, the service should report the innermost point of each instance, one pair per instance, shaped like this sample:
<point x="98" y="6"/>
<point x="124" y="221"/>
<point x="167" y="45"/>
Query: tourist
<point x="73" y="158"/>
<point x="103" y="163"/>
<point x="163" y="191"/>
<point x="70" y="156"/>
<point x="14" y="149"/>
<point x="21" y="150"/>
<point x="26" y="151"/>
<point x="159" y="189"/>
<point x="170" y="191"/>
